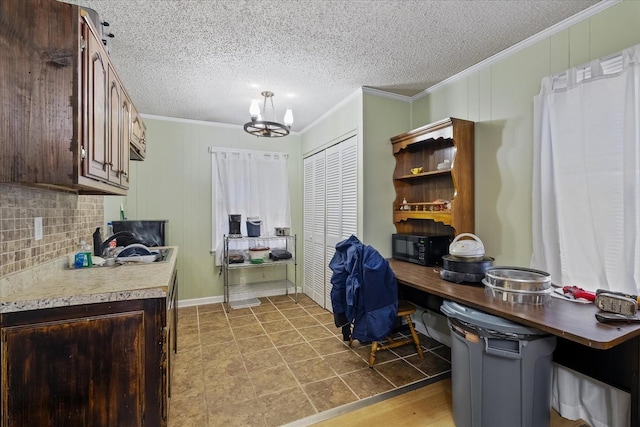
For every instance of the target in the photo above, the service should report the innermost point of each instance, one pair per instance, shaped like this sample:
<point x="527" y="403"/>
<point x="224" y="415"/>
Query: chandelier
<point x="269" y="129"/>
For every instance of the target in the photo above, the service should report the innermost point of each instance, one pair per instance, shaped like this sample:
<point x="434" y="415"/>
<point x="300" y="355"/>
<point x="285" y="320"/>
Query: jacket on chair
<point x="365" y="292"/>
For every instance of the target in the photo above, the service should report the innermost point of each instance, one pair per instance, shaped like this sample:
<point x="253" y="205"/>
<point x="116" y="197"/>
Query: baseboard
<point x="236" y="297"/>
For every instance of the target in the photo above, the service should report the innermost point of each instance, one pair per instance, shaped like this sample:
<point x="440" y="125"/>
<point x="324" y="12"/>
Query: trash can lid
<point x="484" y="320"/>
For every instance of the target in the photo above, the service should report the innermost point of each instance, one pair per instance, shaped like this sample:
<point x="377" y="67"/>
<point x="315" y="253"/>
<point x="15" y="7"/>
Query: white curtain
<point x="251" y="184"/>
<point x="586" y="183"/>
<point x="586" y="202"/>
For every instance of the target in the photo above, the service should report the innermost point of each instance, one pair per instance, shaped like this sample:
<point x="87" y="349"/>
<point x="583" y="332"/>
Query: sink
<point x="164" y="256"/>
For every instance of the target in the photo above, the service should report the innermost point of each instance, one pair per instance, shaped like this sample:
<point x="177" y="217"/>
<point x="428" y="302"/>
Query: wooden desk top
<point x="566" y="319"/>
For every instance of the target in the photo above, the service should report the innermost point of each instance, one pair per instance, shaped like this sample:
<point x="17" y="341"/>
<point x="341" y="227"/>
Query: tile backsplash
<point x="67" y="218"/>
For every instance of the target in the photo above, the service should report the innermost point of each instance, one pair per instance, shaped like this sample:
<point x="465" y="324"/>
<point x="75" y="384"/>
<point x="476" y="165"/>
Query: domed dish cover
<point x="466" y="248"/>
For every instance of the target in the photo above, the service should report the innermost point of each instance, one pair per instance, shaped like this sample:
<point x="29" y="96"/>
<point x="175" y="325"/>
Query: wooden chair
<point x="405" y="310"/>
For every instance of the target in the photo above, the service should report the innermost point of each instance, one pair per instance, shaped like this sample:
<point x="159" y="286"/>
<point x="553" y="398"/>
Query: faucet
<point x="105" y="244"/>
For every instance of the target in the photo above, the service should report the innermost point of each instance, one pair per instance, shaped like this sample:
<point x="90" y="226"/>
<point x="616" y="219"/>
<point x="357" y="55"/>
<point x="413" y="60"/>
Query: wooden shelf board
<point x="425" y="174"/>
<point x="439" y="216"/>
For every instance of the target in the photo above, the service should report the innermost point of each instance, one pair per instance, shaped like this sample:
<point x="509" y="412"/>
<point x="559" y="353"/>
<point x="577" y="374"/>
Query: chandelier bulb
<point x="254" y="110"/>
<point x="288" y="117"/>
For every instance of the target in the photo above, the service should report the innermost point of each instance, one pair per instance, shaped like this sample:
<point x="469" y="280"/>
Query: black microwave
<point x="423" y="250"/>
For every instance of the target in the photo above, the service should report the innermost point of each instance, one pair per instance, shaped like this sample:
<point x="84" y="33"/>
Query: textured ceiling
<point x="206" y="60"/>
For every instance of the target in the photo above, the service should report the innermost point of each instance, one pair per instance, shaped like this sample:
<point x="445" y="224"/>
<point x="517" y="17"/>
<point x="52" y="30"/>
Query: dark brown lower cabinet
<point x="86" y="365"/>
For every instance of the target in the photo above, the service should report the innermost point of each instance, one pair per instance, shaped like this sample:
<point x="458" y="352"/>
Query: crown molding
<point x="198" y="122"/>
<point x="385" y="94"/>
<point x="349" y="98"/>
<point x="580" y="16"/>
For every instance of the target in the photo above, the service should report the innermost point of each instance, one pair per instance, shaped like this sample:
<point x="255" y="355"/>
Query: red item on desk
<point x="576" y="292"/>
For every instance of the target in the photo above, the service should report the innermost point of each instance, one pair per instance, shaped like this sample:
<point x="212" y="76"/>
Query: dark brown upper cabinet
<point x="68" y="121"/>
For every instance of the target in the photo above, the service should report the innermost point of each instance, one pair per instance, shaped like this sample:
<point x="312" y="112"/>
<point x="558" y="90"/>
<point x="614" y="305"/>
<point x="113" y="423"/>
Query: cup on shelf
<point x="446" y="164"/>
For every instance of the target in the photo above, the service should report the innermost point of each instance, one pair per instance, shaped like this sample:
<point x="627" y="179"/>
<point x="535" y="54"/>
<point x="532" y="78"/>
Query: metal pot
<point x="518" y="279"/>
<point x="460" y="270"/>
<point x="455" y="277"/>
<point x="463" y="265"/>
<point x="517" y="296"/>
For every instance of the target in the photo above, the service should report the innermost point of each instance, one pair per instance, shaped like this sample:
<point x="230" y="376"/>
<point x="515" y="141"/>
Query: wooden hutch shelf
<point x="435" y="201"/>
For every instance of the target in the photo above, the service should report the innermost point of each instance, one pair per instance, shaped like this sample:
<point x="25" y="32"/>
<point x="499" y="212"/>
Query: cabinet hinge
<point x="83" y="44"/>
<point x="84" y="153"/>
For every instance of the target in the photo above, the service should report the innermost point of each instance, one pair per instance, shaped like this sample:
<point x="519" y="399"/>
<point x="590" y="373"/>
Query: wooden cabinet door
<point x="118" y="117"/>
<point x="115" y="128"/>
<point x="95" y="73"/>
<point x="138" y="135"/>
<point x="80" y="372"/>
<point x="125" y="132"/>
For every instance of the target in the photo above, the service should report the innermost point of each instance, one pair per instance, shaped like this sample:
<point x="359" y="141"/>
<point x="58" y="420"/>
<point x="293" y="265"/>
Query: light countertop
<point x="54" y="285"/>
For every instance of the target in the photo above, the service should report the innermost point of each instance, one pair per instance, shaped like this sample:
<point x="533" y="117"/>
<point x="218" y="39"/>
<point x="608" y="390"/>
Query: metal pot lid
<point x="466" y="248"/>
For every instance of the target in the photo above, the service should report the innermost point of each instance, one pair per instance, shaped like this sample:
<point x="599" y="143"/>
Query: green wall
<point x="383" y="117"/>
<point x="174" y="183"/>
<point x="499" y="98"/>
<point x="374" y="118"/>
<point x="341" y="122"/>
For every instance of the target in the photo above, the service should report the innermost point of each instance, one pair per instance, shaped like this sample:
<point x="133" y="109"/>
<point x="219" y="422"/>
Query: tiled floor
<point x="279" y="362"/>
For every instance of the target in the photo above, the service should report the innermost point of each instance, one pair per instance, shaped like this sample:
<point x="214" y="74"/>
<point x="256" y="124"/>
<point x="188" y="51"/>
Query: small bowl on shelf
<point x="416" y="171"/>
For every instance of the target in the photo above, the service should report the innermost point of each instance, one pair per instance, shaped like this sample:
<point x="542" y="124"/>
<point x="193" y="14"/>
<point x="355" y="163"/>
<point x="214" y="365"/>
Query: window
<point x="250" y="184"/>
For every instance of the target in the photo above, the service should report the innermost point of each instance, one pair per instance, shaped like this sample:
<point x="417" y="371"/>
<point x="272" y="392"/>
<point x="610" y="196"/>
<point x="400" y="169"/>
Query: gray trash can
<point x="500" y="371"/>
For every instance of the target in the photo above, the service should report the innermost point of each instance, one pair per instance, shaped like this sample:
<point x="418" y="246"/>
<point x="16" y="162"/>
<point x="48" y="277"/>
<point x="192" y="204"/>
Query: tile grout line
<point x="315" y="354"/>
<point x="280" y="354"/>
<point x="306" y="395"/>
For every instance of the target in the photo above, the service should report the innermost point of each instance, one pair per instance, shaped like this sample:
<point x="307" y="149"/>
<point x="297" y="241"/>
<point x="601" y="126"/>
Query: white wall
<point x="499" y="98"/>
<point x="174" y="183"/>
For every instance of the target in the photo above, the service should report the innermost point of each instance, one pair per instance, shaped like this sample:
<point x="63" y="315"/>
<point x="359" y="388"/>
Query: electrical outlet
<point x="37" y="228"/>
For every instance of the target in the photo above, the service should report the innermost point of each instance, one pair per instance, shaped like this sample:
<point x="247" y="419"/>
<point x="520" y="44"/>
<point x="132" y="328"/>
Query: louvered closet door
<point x="330" y="213"/>
<point x="341" y="201"/>
<point x="314" y="225"/>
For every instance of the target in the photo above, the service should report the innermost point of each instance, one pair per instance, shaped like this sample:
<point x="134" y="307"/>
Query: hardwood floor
<point x="428" y="406"/>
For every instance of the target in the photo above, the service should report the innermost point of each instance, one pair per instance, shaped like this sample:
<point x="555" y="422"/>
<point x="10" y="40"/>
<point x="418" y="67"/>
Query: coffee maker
<point x="234" y="225"/>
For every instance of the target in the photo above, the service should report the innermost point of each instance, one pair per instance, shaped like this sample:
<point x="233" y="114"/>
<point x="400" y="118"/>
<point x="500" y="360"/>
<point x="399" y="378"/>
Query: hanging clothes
<point x="365" y="292"/>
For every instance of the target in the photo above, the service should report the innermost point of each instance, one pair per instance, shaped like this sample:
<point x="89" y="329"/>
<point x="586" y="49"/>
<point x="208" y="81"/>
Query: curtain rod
<point x="213" y="150"/>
